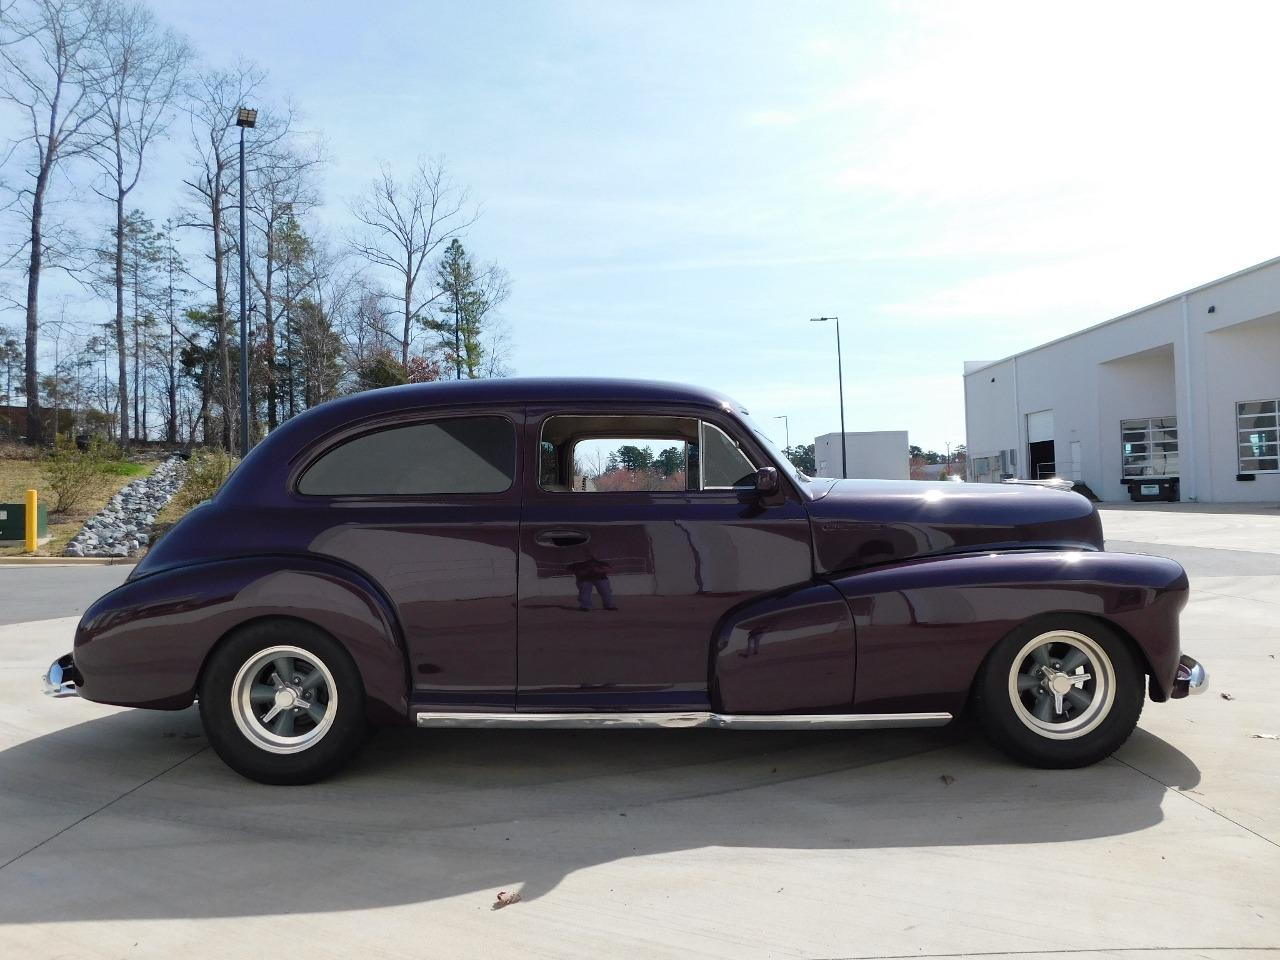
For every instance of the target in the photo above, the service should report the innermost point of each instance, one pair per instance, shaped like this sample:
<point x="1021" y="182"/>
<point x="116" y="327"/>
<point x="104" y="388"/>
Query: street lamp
<point x="844" y="444"/>
<point x="246" y="118"/>
<point x="786" y="425"/>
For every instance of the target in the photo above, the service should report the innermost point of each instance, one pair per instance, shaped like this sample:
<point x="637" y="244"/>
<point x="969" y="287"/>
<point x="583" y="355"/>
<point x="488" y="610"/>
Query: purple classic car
<point x="596" y="553"/>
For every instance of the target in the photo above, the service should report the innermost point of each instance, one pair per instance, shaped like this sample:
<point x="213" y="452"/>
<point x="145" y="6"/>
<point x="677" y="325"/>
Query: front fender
<point x="144" y="644"/>
<point x="792" y="651"/>
<point x="925" y="626"/>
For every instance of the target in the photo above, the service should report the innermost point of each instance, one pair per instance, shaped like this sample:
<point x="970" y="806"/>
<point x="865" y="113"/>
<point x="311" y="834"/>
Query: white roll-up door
<point x="1039" y="426"/>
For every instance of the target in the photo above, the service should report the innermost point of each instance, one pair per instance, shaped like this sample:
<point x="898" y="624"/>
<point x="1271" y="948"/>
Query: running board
<point x="719" y="721"/>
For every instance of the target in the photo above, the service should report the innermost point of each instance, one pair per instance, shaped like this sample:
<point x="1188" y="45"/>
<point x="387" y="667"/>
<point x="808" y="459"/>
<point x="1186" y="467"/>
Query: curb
<point x="66" y="561"/>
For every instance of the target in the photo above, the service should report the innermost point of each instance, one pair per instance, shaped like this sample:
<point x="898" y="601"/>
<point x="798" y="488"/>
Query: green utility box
<point x="13" y="522"/>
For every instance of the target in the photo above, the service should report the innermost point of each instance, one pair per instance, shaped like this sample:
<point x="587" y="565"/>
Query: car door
<point x="427" y="505"/>
<point x="629" y="559"/>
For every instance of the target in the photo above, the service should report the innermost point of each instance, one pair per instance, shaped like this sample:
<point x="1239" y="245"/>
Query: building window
<point x="1149" y="447"/>
<point x="989" y="469"/>
<point x="1259" y="450"/>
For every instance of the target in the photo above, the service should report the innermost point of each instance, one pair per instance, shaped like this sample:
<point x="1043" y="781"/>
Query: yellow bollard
<point x="32" y="520"/>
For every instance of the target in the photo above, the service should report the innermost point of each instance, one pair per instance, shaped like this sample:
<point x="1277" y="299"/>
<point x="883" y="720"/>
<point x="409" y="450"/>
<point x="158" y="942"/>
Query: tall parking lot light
<point x="246" y="118"/>
<point x="844" y="451"/>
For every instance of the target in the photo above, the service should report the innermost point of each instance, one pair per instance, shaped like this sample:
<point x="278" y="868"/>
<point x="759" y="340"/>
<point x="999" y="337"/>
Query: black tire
<point x="1008" y="694"/>
<point x="243" y="743"/>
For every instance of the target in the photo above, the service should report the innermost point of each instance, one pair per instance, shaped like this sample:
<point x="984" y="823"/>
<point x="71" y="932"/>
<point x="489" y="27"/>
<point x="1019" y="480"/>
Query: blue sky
<point x="676" y="187"/>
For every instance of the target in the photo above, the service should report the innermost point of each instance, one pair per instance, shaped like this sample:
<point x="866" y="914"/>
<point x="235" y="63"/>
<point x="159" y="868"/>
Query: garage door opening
<point x="1041" y="462"/>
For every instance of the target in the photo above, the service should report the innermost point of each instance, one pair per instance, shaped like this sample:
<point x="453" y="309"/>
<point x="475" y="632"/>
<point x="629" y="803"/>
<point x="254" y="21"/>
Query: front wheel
<point x="1060" y="693"/>
<point x="282" y="703"/>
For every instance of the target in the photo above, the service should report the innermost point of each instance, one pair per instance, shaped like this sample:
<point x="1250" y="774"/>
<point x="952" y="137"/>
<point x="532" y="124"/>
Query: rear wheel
<point x="1060" y="693"/>
<point x="283" y="703"/>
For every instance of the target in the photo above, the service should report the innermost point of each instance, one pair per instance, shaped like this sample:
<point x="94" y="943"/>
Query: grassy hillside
<point x="207" y="470"/>
<point x="19" y="470"/>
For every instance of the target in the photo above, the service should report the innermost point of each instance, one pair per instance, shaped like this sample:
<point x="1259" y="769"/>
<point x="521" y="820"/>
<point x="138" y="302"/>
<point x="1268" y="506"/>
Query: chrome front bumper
<point x="1191" y="678"/>
<point x="62" y="679"/>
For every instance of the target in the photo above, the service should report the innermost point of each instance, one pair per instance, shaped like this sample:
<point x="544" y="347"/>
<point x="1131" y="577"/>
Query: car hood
<point x="862" y="523"/>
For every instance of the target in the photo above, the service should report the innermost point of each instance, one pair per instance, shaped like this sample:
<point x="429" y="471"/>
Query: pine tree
<point x="468" y="297"/>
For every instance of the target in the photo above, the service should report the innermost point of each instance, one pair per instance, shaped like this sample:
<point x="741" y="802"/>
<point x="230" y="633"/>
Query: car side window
<point x="619" y="454"/>
<point x="456" y="455"/>
<point x="724" y="465"/>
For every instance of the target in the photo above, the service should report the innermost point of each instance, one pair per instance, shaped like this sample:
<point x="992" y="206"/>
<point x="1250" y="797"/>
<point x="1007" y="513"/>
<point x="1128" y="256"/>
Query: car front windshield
<point x="780" y="458"/>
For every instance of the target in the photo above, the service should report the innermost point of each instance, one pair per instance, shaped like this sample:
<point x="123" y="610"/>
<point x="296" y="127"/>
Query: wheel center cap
<point x="1060" y="683"/>
<point x="286" y="698"/>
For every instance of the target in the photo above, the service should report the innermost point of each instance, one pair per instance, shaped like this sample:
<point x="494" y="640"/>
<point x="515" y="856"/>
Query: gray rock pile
<point x="124" y="525"/>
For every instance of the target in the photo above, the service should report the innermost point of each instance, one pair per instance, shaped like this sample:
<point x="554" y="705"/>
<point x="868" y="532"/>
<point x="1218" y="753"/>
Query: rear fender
<point x="145" y="643"/>
<point x="924" y="627"/>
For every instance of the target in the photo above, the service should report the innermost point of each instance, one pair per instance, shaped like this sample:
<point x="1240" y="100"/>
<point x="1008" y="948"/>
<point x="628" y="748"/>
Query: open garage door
<point x="1040" y="456"/>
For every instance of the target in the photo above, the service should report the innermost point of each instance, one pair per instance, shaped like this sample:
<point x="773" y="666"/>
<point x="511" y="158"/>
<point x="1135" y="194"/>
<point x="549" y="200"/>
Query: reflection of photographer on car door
<point x="593" y="573"/>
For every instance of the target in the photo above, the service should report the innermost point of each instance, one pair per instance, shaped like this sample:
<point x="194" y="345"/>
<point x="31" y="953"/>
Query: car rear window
<point x="454" y="455"/>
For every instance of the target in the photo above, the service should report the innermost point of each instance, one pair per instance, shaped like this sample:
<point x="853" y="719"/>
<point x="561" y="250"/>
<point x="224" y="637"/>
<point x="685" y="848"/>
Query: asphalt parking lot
<point x="122" y="835"/>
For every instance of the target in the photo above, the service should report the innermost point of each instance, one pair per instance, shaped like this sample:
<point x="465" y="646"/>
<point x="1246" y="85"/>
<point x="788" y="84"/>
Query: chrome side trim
<point x="826" y="721"/>
<point x="622" y="720"/>
<point x="1191" y="679"/>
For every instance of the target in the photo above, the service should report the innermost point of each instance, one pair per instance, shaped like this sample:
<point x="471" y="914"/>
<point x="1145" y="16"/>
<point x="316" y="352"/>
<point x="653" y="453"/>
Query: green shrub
<point x="207" y="470"/>
<point x="72" y="473"/>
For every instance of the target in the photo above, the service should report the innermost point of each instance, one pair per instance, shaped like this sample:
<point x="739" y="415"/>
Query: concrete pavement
<point x="122" y="835"/>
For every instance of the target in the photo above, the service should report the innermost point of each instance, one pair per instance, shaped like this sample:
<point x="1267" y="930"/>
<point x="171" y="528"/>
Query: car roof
<point x="261" y="474"/>
<point x="533" y="390"/>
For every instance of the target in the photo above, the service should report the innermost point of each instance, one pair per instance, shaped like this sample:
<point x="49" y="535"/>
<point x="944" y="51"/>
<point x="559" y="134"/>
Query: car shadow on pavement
<point x="132" y="816"/>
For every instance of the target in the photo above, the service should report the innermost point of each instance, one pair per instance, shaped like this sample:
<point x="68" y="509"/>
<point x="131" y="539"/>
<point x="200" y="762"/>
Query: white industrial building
<point x="872" y="455"/>
<point x="1181" y="397"/>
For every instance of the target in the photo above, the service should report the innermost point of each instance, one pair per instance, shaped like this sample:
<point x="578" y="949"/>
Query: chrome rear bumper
<point x="62" y="679"/>
<point x="1191" y="678"/>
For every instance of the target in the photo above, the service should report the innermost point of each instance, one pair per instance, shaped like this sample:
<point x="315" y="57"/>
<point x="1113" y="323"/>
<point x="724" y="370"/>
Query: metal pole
<point x="844" y="441"/>
<point x="844" y="449"/>
<point x="244" y="320"/>
<point x="786" y="425"/>
<point x="31" y="521"/>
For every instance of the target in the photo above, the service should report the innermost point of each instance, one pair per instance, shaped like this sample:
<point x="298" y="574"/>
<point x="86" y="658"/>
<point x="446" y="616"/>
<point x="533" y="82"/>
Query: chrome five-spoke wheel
<point x="1063" y="690"/>
<point x="1061" y="684"/>
<point x="282" y="702"/>
<point x="284" y="699"/>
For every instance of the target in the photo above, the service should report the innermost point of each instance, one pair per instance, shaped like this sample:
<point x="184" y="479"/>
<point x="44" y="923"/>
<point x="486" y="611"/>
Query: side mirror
<point x="767" y="480"/>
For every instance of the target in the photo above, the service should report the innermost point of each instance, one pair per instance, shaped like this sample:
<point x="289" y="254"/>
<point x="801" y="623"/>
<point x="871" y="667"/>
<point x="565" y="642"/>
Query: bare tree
<point x="282" y="191"/>
<point x="363" y="319"/>
<point x="215" y="98"/>
<point x="405" y="222"/>
<point x="172" y="268"/>
<point x="145" y="66"/>
<point x="53" y="74"/>
<point x="496" y="355"/>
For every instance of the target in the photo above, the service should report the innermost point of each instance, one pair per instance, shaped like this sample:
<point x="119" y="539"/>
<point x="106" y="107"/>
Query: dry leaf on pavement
<point x="505" y="899"/>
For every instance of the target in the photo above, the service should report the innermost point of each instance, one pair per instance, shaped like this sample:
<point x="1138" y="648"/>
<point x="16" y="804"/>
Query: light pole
<point x="844" y="447"/>
<point x="246" y="118"/>
<point x="786" y="425"/>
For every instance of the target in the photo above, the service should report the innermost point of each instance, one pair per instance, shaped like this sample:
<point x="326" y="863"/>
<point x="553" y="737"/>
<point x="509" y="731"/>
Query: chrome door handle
<point x="561" y="538"/>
